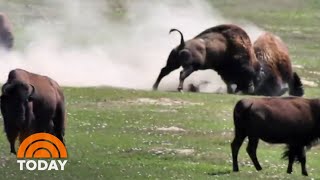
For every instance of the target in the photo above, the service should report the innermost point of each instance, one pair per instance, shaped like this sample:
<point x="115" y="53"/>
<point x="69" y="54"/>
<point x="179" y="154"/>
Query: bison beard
<point x="227" y="49"/>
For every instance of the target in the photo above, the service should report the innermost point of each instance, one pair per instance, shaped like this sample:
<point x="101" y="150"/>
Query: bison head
<point x="267" y="84"/>
<point x="14" y="101"/>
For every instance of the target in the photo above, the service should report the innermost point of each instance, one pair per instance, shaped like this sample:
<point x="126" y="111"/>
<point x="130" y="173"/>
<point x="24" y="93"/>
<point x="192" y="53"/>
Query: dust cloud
<point x="80" y="45"/>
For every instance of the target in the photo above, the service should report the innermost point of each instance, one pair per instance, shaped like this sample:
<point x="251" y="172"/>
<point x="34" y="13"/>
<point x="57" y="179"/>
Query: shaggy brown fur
<point x="293" y="121"/>
<point x="276" y="73"/>
<point x="31" y="103"/>
<point x="226" y="49"/>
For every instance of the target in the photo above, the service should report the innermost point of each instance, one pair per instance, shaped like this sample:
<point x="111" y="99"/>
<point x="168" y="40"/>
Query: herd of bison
<point x="32" y="103"/>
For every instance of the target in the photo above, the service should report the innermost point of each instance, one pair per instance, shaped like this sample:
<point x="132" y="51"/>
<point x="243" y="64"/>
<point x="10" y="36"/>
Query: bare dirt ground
<point x="184" y="152"/>
<point x="170" y="129"/>
<point x="162" y="102"/>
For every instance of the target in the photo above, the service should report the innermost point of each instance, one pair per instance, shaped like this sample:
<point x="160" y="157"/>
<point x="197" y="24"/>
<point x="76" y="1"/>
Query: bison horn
<point x="32" y="91"/>
<point x="182" y="43"/>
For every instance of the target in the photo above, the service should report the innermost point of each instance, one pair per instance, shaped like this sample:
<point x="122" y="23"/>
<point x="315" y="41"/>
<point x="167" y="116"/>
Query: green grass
<point x="110" y="135"/>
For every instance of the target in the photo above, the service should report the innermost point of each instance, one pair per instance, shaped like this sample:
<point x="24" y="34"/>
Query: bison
<point x="226" y="48"/>
<point x="31" y="103"/>
<point x="276" y="69"/>
<point x="293" y="121"/>
<point x="6" y="36"/>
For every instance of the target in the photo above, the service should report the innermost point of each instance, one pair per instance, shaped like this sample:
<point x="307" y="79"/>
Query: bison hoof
<point x="251" y="90"/>
<point x="180" y="90"/>
<point x="13" y="152"/>
<point x="154" y="88"/>
<point x="235" y="170"/>
<point x="305" y="173"/>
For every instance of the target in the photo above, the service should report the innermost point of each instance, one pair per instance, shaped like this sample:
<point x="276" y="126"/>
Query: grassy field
<point x="121" y="134"/>
<point x="116" y="134"/>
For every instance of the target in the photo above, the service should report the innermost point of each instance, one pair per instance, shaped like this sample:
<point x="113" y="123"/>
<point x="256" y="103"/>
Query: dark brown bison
<point x="6" y="36"/>
<point x="293" y="121"/>
<point x="31" y="103"/>
<point x="227" y="49"/>
<point x="276" y="69"/>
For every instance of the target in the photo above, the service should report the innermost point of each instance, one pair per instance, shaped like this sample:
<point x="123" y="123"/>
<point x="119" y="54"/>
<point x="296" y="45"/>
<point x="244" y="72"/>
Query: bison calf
<point x="31" y="103"/>
<point x="293" y="121"/>
<point x="227" y="49"/>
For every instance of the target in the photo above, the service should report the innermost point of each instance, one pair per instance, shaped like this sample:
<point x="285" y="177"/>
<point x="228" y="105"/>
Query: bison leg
<point x="278" y="88"/>
<point x="252" y="151"/>
<point x="291" y="156"/>
<point x="12" y="135"/>
<point x="235" y="146"/>
<point x="183" y="75"/>
<point x="282" y="91"/>
<point x="23" y="135"/>
<point x="164" y="71"/>
<point x="302" y="159"/>
<point x="229" y="88"/>
<point x="42" y="125"/>
<point x="246" y="88"/>
<point x="58" y="122"/>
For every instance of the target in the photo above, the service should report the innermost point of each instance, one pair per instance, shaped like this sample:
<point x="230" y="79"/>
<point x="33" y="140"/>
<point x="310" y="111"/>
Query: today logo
<point x="41" y="146"/>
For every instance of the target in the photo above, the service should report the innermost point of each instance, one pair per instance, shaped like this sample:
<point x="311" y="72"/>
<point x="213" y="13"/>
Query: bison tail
<point x="296" y="87"/>
<point x="286" y="153"/>
<point x="182" y="43"/>
<point x="294" y="151"/>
